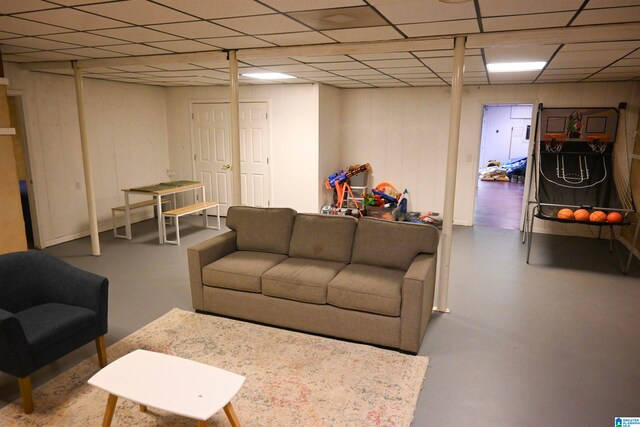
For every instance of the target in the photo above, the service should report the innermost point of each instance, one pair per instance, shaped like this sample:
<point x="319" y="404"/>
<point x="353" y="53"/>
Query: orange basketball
<point x="565" y="213"/>
<point x="598" y="216"/>
<point x="581" y="215"/>
<point x="614" y="217"/>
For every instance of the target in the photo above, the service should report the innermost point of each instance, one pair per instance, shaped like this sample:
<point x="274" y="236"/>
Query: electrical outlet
<point x="77" y="185"/>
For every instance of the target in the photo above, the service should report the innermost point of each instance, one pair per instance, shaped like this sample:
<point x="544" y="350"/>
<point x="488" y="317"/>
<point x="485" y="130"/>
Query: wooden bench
<point x="132" y="206"/>
<point x="186" y="210"/>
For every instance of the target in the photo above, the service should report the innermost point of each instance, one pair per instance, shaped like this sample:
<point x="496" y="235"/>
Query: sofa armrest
<point x="15" y="358"/>
<point x="205" y="253"/>
<point x="418" y="289"/>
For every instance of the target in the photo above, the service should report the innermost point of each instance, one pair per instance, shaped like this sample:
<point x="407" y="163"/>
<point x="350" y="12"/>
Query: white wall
<point x="293" y="120"/>
<point x="403" y="134"/>
<point x="126" y="126"/>
<point x="330" y="139"/>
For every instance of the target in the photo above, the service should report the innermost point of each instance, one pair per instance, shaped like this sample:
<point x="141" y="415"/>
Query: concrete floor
<point x="556" y="342"/>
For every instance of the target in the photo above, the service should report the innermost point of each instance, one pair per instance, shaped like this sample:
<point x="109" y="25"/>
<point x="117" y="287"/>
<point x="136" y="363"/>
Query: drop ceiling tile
<point x="522" y="22"/>
<point x="90" y="52"/>
<point x="381" y="56"/>
<point x="412" y="11"/>
<point x="77" y="2"/>
<point x="84" y="39"/>
<point x="7" y="49"/>
<point x="139" y="12"/>
<point x="136" y="34"/>
<point x="136" y="49"/>
<point x="54" y="56"/>
<point x="510" y="7"/>
<point x="4" y="35"/>
<point x="435" y="82"/>
<point x="181" y="74"/>
<point x="327" y="58"/>
<point x="100" y="70"/>
<point x="439" y="64"/>
<point x="588" y="59"/>
<point x="263" y="24"/>
<point x="295" y="5"/>
<point x="364" y="34"/>
<point x="418" y="71"/>
<point x="526" y="76"/>
<point x="72" y="19"/>
<point x="216" y="9"/>
<point x="27" y="28"/>
<point x="519" y="54"/>
<point x="392" y="63"/>
<point x="195" y="30"/>
<point x="239" y="42"/>
<point x="16" y="6"/>
<point x="19" y="58"/>
<point x="587" y="71"/>
<point x="359" y="73"/>
<point x="307" y="37"/>
<point x="183" y="46"/>
<point x="134" y="68"/>
<point x="312" y="74"/>
<point x="627" y="62"/>
<point x="436" y="53"/>
<point x="397" y="84"/>
<point x="612" y="77"/>
<point x="622" y="70"/>
<point x="631" y="45"/>
<point x="212" y="64"/>
<point x="214" y="74"/>
<point x="596" y="4"/>
<point x="259" y="62"/>
<point x="332" y="79"/>
<point x="465" y="26"/>
<point x="38" y="43"/>
<point x="345" y="17"/>
<point x="289" y="68"/>
<point x="177" y="66"/>
<point x="561" y="78"/>
<point x="608" y="16"/>
<point x="330" y="66"/>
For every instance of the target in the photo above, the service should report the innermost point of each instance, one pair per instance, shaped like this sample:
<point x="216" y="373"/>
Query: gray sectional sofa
<point x="365" y="280"/>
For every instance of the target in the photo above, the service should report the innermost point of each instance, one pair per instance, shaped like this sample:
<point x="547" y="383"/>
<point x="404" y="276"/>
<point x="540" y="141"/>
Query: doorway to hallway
<point x="504" y="147"/>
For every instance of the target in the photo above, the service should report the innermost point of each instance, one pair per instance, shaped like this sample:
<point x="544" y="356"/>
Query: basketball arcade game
<point x="573" y="168"/>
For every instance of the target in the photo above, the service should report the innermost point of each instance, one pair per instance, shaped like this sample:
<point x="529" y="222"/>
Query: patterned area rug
<point x="293" y="379"/>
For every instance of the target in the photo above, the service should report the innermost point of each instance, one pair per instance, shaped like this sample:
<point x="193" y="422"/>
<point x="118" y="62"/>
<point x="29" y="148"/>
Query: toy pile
<point x="493" y="172"/>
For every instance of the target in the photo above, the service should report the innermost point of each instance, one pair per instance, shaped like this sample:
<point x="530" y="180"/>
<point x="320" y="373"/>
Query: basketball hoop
<point x="553" y="142"/>
<point x="598" y="142"/>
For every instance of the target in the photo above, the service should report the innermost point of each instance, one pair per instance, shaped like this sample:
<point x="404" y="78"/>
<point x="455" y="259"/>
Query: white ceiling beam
<point x="565" y="35"/>
<point x="215" y="55"/>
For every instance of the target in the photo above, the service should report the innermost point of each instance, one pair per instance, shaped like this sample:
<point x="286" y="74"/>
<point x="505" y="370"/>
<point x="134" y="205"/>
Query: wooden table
<point x="169" y="383"/>
<point x="157" y="191"/>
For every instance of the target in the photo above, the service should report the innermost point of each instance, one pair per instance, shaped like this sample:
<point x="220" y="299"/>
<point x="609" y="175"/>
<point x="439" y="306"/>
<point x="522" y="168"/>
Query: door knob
<point x="226" y="166"/>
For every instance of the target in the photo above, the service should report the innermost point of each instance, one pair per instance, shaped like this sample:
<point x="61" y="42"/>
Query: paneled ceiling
<point x="32" y="31"/>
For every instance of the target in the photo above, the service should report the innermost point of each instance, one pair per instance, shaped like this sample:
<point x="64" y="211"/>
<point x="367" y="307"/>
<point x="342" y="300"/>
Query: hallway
<point x="498" y="204"/>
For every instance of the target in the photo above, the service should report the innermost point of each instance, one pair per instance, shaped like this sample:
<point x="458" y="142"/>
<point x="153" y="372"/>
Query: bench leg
<point x="177" y="230"/>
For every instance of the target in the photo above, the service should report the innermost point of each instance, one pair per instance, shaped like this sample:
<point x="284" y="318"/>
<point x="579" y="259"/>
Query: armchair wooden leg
<point x="26" y="394"/>
<point x="102" y="351"/>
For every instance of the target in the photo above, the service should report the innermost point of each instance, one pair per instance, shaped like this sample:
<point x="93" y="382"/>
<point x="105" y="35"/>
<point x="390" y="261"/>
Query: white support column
<point x="235" y="128"/>
<point x="86" y="161"/>
<point x="452" y="168"/>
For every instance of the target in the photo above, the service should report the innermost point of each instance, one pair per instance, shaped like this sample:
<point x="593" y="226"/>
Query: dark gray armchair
<point x="48" y="308"/>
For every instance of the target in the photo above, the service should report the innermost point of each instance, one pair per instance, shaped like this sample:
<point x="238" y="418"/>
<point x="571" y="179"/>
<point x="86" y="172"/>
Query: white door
<point x="212" y="151"/>
<point x="254" y="155"/>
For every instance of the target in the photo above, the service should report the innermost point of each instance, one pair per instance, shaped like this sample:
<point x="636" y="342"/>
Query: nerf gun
<point x="341" y="176"/>
<point x="385" y="196"/>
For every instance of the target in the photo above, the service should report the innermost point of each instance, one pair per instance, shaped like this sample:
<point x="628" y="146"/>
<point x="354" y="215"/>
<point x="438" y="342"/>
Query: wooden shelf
<point x="4" y="81"/>
<point x="7" y="131"/>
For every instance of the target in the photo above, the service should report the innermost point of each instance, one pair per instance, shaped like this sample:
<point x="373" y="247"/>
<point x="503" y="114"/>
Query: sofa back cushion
<point x="261" y="229"/>
<point x="392" y="244"/>
<point x="322" y="237"/>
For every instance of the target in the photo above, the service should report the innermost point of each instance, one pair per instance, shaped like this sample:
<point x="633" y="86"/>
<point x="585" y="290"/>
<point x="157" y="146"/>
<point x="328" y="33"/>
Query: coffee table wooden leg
<point x="231" y="414"/>
<point x="202" y="423"/>
<point x="108" y="413"/>
<point x="143" y="408"/>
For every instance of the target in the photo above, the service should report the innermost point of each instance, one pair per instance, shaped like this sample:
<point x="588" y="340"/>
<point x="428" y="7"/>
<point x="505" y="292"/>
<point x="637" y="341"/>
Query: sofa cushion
<point x="324" y="237"/>
<point x="367" y="288"/>
<point x="240" y="270"/>
<point x="261" y="229"/>
<point x="392" y="244"/>
<point x="300" y="279"/>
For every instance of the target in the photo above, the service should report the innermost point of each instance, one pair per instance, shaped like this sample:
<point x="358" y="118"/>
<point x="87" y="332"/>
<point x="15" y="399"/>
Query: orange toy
<point x="581" y="215"/>
<point x="565" y="213"/>
<point x="598" y="216"/>
<point x="614" y="217"/>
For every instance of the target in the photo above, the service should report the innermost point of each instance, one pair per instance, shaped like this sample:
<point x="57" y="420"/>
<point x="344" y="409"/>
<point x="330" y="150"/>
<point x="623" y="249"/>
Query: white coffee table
<point x="169" y="383"/>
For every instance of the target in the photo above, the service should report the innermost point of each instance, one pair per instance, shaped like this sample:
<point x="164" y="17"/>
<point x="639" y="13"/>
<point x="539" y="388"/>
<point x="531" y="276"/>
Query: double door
<point x="211" y="143"/>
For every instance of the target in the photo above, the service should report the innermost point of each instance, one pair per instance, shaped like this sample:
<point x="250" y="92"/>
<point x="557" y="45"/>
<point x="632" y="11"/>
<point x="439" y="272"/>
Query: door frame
<point x="227" y="101"/>
<point x="528" y="170"/>
<point x="22" y="114"/>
